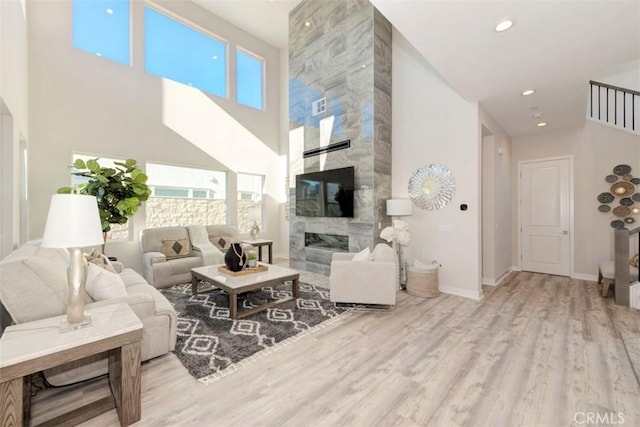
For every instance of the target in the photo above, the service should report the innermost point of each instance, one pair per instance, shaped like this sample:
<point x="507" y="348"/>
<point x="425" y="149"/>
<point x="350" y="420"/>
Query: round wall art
<point x="432" y="187"/>
<point x="621" y="198"/>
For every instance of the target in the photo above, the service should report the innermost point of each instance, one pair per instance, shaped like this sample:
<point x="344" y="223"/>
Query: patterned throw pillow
<point x="98" y="258"/>
<point x="221" y="241"/>
<point x="178" y="248"/>
<point x="634" y="261"/>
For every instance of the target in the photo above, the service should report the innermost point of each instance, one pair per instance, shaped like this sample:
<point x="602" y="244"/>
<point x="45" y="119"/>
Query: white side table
<point x="34" y="346"/>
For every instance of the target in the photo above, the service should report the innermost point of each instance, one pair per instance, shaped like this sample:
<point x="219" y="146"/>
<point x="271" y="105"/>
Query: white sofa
<point x="33" y="285"/>
<point x="164" y="266"/>
<point x="373" y="281"/>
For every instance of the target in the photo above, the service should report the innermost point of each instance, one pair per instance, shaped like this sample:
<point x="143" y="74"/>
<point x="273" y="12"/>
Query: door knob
<point x="564" y="232"/>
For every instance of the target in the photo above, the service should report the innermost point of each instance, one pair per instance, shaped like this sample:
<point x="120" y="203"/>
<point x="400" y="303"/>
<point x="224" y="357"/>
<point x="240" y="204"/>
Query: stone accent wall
<point x="343" y="55"/>
<point x="170" y="211"/>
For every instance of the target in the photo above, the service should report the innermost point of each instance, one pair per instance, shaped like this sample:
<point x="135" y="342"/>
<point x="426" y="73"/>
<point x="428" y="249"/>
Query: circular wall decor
<point x="622" y="170"/>
<point x="605" y="197"/>
<point x="617" y="224"/>
<point x="432" y="187"/>
<point x="623" y="189"/>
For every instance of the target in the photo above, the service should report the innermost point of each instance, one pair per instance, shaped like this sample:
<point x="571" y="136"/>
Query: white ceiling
<point x="555" y="47"/>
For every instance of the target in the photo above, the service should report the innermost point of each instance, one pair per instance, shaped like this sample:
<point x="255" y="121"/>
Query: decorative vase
<point x="235" y="257"/>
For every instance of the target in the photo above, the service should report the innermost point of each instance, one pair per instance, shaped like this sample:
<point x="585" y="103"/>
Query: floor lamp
<point x="398" y="208"/>
<point x="73" y="223"/>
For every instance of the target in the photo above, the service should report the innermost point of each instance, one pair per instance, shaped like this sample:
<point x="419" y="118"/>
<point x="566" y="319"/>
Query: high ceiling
<point x="555" y="47"/>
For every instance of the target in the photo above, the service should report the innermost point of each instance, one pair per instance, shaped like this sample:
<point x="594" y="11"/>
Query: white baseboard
<point x="492" y="281"/>
<point x="467" y="293"/>
<point x="582" y="276"/>
<point x="515" y="268"/>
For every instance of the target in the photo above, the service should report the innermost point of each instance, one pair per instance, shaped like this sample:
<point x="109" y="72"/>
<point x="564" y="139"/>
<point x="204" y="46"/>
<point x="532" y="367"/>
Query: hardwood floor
<point x="539" y="350"/>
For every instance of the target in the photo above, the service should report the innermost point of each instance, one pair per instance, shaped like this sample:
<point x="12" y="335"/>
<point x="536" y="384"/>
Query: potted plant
<point x="252" y="259"/>
<point x="119" y="190"/>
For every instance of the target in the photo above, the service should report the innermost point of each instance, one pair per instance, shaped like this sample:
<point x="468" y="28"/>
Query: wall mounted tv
<point x="325" y="193"/>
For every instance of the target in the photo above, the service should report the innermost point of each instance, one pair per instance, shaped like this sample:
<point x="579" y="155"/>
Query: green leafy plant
<point x="119" y="190"/>
<point x="251" y="255"/>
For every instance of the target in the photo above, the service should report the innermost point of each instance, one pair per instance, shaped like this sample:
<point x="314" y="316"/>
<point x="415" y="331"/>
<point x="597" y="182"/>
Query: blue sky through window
<point x="249" y="80"/>
<point x="102" y="27"/>
<point x="178" y="52"/>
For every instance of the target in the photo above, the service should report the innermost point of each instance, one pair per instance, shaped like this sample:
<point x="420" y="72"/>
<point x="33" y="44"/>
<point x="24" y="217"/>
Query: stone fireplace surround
<point x="344" y="56"/>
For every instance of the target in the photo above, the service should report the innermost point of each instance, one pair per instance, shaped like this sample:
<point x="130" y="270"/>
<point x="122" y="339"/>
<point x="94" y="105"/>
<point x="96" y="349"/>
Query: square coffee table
<point x="235" y="285"/>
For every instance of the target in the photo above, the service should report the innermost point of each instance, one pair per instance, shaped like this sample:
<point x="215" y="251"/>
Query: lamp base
<point x="65" y="326"/>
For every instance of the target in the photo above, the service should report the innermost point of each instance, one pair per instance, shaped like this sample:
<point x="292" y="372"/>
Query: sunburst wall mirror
<point x="432" y="186"/>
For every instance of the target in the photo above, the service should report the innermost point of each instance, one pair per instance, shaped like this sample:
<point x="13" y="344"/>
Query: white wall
<point x="432" y="124"/>
<point x="14" y="63"/>
<point x="496" y="206"/>
<point x="83" y="103"/>
<point x="596" y="149"/>
<point x="13" y="118"/>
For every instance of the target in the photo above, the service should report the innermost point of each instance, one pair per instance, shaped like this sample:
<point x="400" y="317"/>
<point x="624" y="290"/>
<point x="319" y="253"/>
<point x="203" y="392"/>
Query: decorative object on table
<point x="397" y="208"/>
<point x="73" y="223"/>
<point x="252" y="259"/>
<point x="211" y="345"/>
<point x="119" y="190"/>
<point x="623" y="187"/>
<point x="253" y="215"/>
<point x="235" y="258"/>
<point x="432" y="187"/>
<point x="244" y="271"/>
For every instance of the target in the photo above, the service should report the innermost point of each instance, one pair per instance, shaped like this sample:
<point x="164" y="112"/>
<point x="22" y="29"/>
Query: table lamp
<point x="397" y="208"/>
<point x="73" y="222"/>
<point x="253" y="215"/>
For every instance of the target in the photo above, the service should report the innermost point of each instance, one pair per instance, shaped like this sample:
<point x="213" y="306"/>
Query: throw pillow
<point x="384" y="253"/>
<point x="178" y="248"/>
<point x="363" y="255"/>
<point x="221" y="241"/>
<point x="634" y="261"/>
<point x="98" y="258"/>
<point x="103" y="284"/>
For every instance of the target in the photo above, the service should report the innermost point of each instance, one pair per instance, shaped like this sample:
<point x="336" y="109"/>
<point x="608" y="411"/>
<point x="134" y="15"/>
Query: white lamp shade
<point x="73" y="222"/>
<point x="398" y="207"/>
<point x="253" y="214"/>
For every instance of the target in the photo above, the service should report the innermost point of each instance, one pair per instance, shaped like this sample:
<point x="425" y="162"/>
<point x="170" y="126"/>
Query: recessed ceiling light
<point x="528" y="92"/>
<point x="541" y="124"/>
<point x="98" y="54"/>
<point x="214" y="57"/>
<point x="503" y="25"/>
<point x="307" y="24"/>
<point x="110" y="11"/>
<point x="537" y="115"/>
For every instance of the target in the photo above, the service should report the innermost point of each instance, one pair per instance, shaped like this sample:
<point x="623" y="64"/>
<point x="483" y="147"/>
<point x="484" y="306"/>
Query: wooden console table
<point x="259" y="243"/>
<point x="35" y="346"/>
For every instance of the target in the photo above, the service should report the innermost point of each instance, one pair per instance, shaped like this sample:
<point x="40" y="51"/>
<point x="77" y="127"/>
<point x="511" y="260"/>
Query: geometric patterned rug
<point x="211" y="345"/>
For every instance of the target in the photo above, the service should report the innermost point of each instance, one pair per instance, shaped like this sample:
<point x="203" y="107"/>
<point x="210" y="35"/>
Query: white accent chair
<point x="373" y="281"/>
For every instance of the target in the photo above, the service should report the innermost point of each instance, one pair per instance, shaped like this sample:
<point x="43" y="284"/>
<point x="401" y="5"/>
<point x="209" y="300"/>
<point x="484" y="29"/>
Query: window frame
<point x="195" y="27"/>
<point x="263" y="77"/>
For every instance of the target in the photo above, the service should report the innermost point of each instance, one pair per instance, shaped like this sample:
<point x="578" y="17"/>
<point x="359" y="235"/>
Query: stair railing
<point x="602" y="95"/>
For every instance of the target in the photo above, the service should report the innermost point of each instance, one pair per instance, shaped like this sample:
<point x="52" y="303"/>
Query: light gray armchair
<point x="374" y="281"/>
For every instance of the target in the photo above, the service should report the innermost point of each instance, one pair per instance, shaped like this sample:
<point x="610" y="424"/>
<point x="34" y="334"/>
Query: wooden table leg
<point x="124" y="380"/>
<point x="194" y="284"/>
<point x="260" y="253"/>
<point x="11" y="402"/>
<point x="233" y="305"/>
<point x="270" y="245"/>
<point x="295" y="288"/>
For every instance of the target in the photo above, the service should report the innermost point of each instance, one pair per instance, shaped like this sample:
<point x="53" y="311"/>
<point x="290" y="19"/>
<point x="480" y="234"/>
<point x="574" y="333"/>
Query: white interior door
<point x="545" y="216"/>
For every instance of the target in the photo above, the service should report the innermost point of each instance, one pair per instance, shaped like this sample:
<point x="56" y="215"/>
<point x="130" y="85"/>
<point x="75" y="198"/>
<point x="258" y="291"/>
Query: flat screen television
<point x="326" y="193"/>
